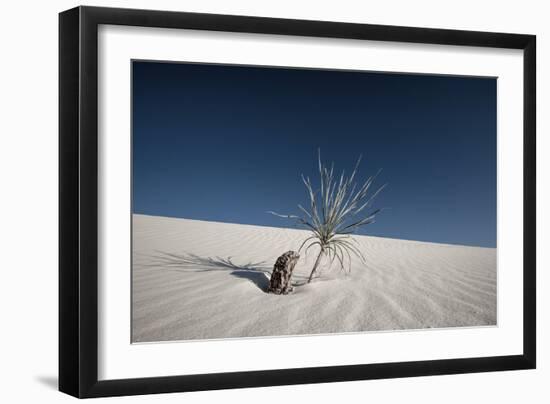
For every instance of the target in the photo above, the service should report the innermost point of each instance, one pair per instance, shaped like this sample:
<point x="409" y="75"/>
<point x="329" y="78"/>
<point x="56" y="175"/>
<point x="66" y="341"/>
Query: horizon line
<point x="305" y="229"/>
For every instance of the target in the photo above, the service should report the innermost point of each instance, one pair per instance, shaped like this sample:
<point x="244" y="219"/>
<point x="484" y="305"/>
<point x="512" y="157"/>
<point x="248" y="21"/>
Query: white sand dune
<point x="202" y="280"/>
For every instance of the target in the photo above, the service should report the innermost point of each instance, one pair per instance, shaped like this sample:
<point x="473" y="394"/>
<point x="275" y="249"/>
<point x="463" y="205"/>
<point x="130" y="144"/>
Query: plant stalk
<point x="321" y="253"/>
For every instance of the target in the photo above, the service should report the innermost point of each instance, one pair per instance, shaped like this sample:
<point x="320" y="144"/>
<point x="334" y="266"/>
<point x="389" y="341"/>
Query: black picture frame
<point x="78" y="201"/>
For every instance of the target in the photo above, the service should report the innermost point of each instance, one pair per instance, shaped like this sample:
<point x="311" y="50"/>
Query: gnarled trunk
<point x="281" y="277"/>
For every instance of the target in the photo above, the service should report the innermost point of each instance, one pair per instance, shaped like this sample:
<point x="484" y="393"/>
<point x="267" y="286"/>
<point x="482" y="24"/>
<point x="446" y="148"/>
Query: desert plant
<point x="337" y="210"/>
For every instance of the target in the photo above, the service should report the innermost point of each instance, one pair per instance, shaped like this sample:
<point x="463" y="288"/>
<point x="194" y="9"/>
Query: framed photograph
<point x="250" y="201"/>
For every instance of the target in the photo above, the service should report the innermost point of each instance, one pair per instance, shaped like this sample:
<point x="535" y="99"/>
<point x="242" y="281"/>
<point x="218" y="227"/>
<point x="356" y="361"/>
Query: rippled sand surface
<point x="205" y="280"/>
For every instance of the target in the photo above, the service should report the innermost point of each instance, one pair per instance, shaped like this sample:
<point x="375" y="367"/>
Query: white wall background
<point x="28" y="199"/>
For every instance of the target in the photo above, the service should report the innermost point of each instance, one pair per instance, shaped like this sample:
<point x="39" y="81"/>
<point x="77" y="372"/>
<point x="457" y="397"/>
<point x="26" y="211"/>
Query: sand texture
<point x="204" y="280"/>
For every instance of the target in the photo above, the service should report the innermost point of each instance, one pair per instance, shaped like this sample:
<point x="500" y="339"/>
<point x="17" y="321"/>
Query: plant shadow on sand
<point x="258" y="273"/>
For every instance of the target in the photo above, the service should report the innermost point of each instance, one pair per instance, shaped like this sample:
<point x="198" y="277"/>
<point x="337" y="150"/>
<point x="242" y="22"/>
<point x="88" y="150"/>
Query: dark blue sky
<point x="228" y="143"/>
